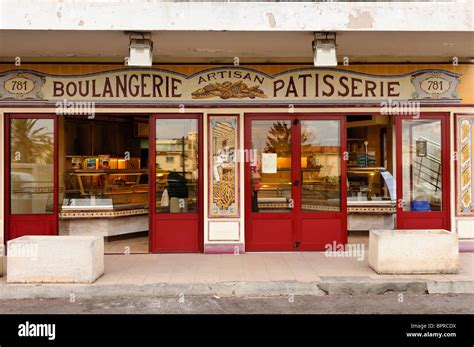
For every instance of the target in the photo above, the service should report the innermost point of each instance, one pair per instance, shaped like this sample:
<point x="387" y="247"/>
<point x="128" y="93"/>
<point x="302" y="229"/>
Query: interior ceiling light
<point x="324" y="49"/>
<point x="141" y="49"/>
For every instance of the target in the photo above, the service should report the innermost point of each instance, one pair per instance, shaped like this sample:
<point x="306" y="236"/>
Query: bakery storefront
<point x="228" y="159"/>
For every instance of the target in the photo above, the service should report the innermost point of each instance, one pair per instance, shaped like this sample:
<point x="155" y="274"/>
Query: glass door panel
<point x="423" y="171"/>
<point x="320" y="165"/>
<point x="271" y="171"/>
<point x="421" y="165"/>
<point x="176" y="163"/>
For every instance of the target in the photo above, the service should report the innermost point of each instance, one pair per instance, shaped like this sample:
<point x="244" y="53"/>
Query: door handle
<point x="296" y="182"/>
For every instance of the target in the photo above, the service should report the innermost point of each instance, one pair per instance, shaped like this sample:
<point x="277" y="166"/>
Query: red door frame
<point x="199" y="214"/>
<point x="296" y="215"/>
<point x="430" y="219"/>
<point x="31" y="220"/>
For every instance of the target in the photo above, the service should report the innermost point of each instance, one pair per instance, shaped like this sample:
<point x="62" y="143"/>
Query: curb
<point x="321" y="288"/>
<point x="463" y="287"/>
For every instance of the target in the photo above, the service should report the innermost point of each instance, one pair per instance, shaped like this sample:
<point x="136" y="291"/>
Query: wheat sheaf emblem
<point x="228" y="90"/>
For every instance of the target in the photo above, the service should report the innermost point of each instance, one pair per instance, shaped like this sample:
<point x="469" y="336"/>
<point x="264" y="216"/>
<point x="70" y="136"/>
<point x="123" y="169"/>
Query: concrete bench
<point x="55" y="259"/>
<point x="413" y="251"/>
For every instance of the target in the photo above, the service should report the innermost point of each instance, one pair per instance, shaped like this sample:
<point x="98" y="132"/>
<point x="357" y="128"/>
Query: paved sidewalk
<point x="252" y="274"/>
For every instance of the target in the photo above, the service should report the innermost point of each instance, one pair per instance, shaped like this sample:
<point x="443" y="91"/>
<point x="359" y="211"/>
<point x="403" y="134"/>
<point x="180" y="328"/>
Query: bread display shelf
<point x="124" y="188"/>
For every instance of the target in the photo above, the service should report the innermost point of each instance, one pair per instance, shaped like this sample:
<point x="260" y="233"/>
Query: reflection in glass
<point x="271" y="174"/>
<point x="320" y="165"/>
<point x="176" y="165"/>
<point x="32" y="166"/>
<point x="421" y="165"/>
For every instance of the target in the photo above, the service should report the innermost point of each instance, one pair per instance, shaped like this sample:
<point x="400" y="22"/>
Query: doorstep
<point x="466" y="245"/>
<point x="249" y="274"/>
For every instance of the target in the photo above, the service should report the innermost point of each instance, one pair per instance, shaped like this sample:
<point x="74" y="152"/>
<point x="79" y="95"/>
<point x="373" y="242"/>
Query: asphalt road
<point x="391" y="303"/>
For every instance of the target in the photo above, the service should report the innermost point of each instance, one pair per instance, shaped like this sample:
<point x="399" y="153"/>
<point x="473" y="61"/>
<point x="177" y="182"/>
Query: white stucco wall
<point x="152" y="15"/>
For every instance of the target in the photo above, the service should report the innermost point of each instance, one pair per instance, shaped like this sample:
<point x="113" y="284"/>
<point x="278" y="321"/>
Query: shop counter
<point x="103" y="222"/>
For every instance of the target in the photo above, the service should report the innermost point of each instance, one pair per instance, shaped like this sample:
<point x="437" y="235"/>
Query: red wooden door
<point x="321" y="209"/>
<point x="31" y="181"/>
<point x="295" y="186"/>
<point x="423" y="172"/>
<point x="176" y="183"/>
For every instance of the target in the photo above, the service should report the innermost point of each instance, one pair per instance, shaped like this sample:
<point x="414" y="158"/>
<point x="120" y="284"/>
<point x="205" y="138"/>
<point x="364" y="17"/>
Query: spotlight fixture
<point x="324" y="49"/>
<point x="141" y="49"/>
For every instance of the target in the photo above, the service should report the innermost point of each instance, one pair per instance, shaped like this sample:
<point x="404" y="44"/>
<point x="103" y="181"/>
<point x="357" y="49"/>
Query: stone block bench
<point x="55" y="259"/>
<point x="413" y="251"/>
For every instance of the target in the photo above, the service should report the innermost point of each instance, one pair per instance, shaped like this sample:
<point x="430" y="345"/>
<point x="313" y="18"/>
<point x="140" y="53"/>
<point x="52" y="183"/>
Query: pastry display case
<point x="104" y="183"/>
<point x="371" y="199"/>
<point x="370" y="187"/>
